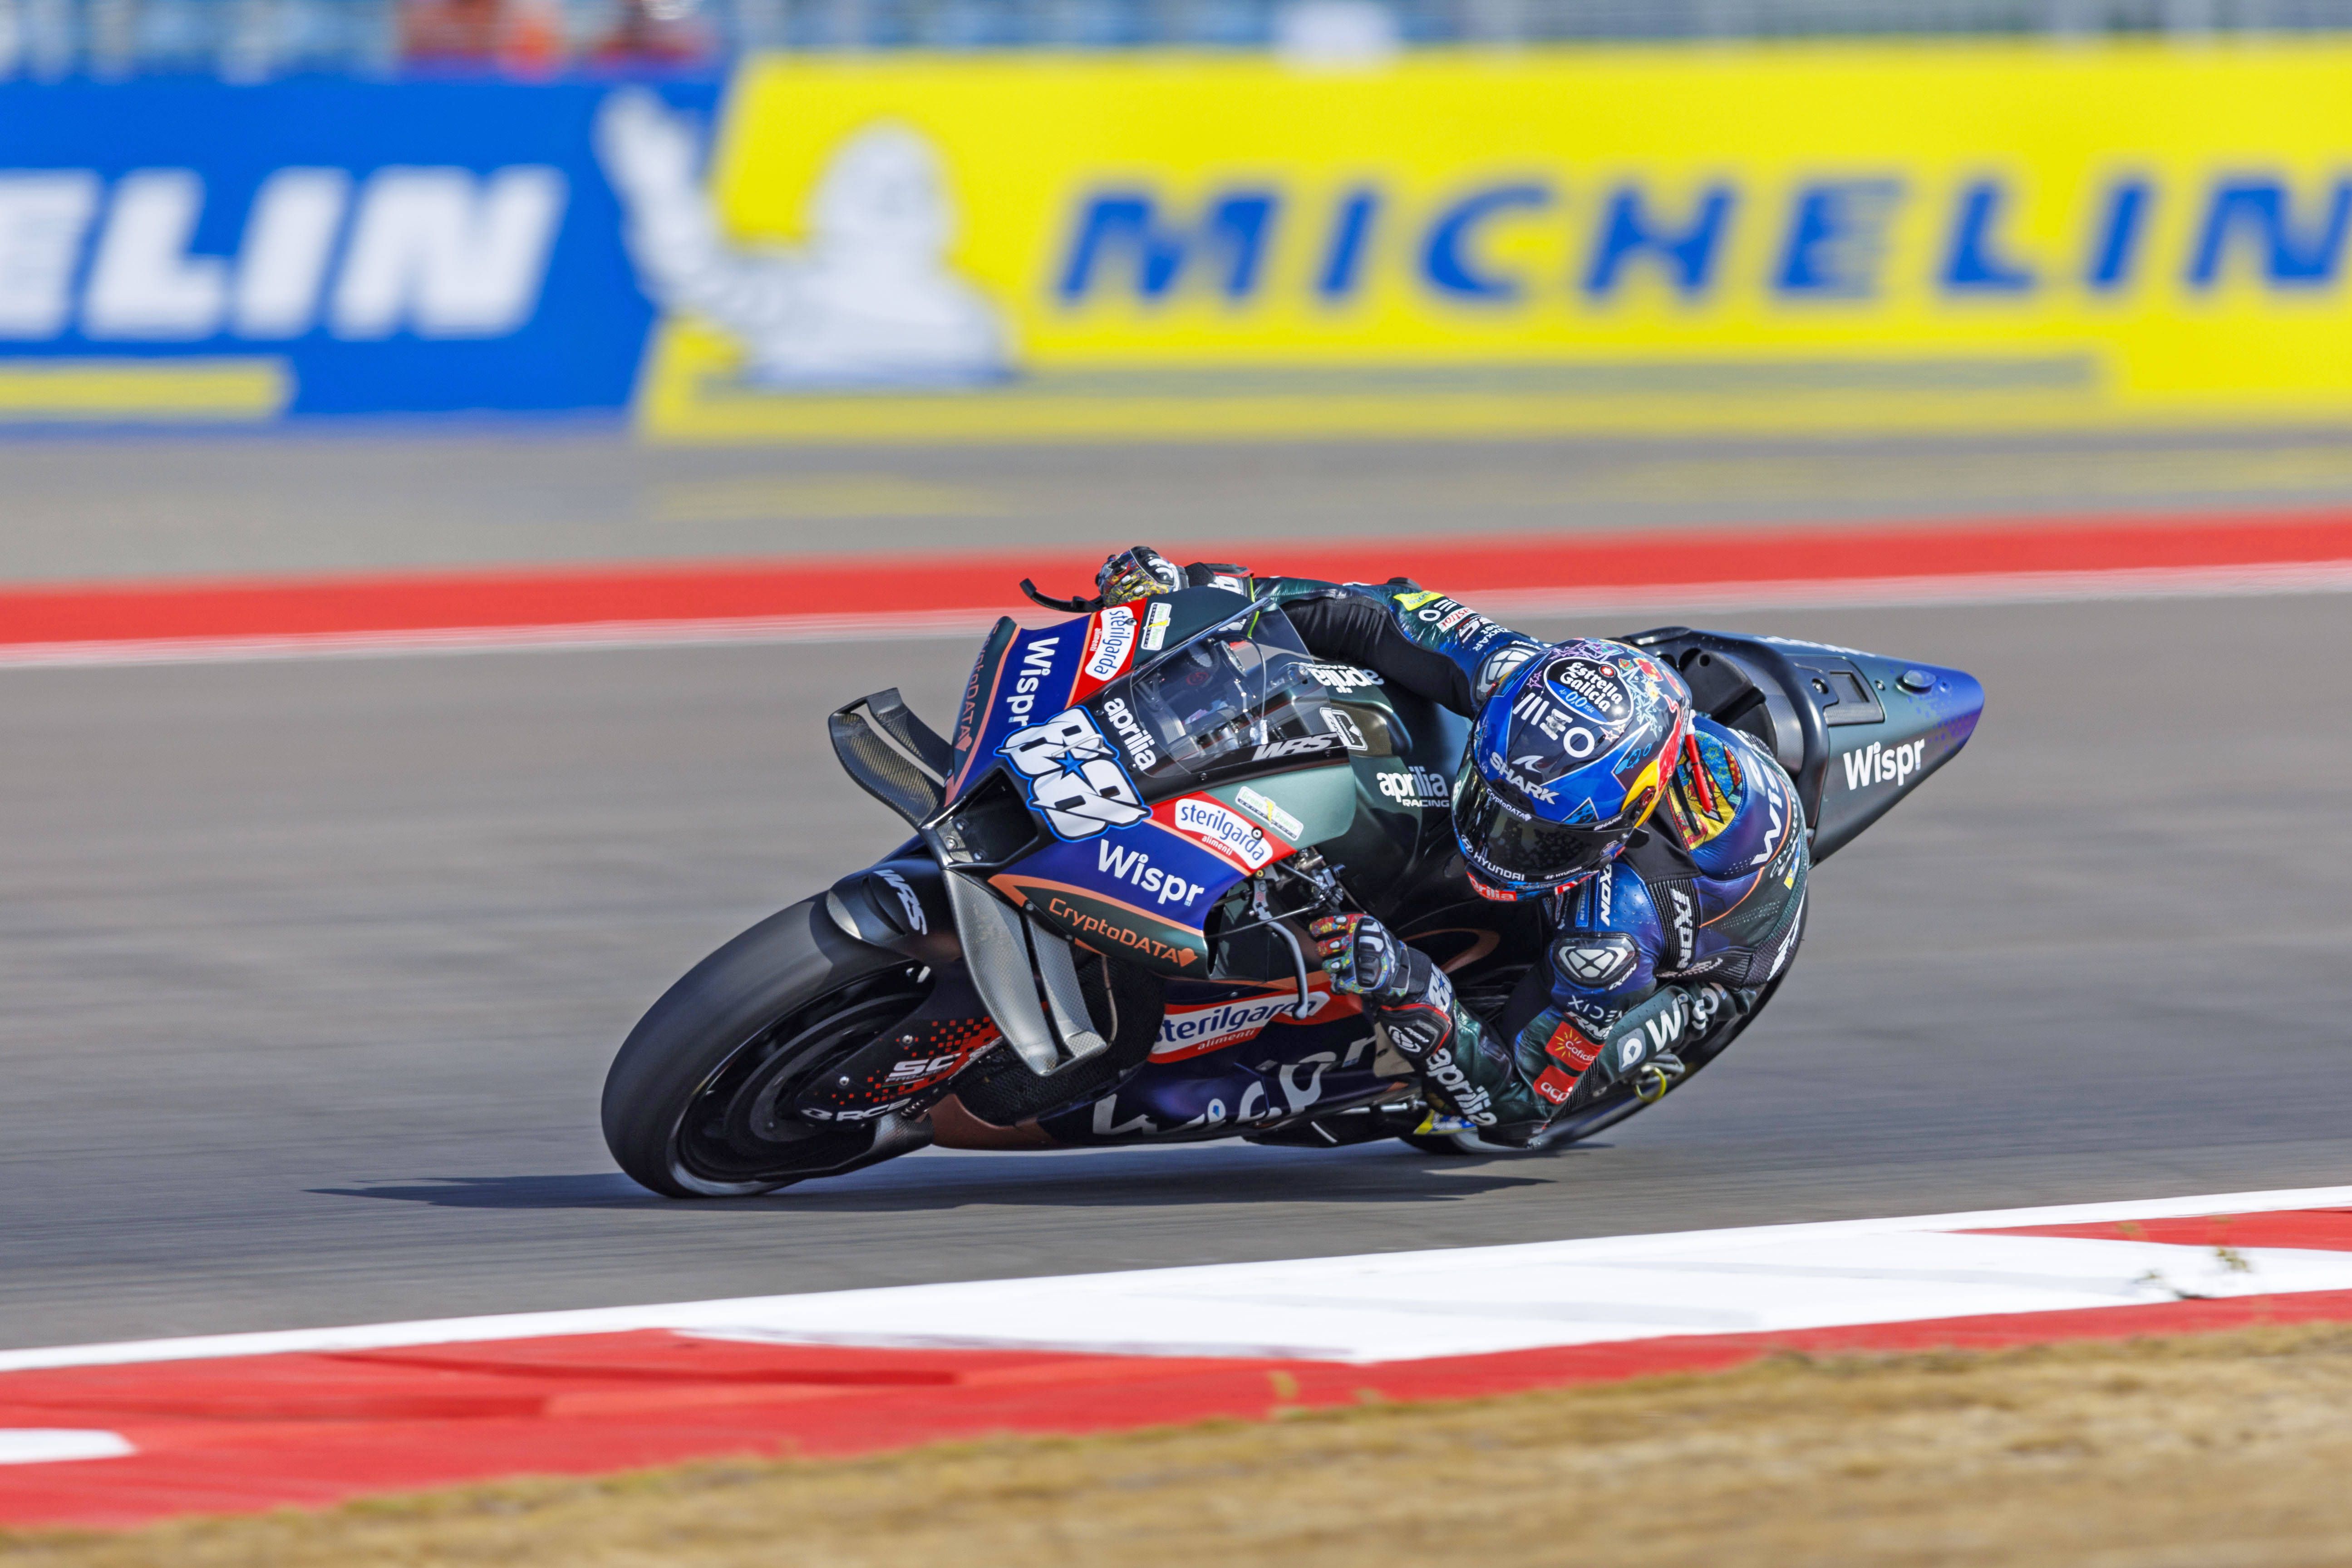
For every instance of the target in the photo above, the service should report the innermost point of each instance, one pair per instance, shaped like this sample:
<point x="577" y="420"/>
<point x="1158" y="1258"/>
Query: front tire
<point x="695" y="1102"/>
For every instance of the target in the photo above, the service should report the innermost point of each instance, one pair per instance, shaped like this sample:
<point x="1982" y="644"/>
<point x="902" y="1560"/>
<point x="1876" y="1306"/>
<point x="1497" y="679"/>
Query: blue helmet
<point x="1569" y="755"/>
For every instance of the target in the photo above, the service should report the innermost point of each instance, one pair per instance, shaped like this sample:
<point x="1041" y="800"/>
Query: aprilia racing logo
<point x="1339" y="676"/>
<point x="1140" y="749"/>
<point x="1074" y="776"/>
<point x="1420" y="787"/>
<point x="1468" y="1099"/>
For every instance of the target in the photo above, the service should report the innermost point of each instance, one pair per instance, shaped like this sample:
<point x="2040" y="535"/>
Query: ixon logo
<point x="1821" y="240"/>
<point x="433" y="252"/>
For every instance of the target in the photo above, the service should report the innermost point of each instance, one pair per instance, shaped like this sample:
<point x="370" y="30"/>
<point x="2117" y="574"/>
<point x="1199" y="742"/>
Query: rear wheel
<point x="697" y="1103"/>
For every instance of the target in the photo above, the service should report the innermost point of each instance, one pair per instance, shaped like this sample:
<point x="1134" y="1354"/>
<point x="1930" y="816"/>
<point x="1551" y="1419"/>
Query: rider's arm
<point x="1429" y="645"/>
<point x="1349" y="628"/>
<point x="1610" y="1011"/>
<point x="1461" y="1067"/>
<point x="1510" y="1089"/>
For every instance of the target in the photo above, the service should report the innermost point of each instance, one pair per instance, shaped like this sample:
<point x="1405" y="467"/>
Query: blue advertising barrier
<point x="199" y="251"/>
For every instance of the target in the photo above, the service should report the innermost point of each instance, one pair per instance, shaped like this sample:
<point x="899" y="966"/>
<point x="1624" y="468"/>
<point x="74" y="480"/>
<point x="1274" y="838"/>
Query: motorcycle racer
<point x="1668" y="851"/>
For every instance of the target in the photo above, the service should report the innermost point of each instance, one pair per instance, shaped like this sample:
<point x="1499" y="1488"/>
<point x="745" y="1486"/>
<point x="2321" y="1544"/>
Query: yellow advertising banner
<point x="1945" y="236"/>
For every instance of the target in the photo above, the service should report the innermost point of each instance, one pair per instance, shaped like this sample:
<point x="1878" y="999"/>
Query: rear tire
<point x="694" y="1102"/>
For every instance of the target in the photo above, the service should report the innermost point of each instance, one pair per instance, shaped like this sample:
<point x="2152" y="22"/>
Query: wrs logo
<point x="431" y="252"/>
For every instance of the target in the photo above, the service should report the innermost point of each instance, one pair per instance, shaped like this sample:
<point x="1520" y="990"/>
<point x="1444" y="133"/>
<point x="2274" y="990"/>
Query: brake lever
<point x="1262" y="916"/>
<point x="1071" y="606"/>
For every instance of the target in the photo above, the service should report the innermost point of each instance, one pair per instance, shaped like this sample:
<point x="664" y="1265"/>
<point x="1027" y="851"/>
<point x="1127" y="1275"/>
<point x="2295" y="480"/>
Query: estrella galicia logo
<point x="1594" y="688"/>
<point x="1074" y="776"/>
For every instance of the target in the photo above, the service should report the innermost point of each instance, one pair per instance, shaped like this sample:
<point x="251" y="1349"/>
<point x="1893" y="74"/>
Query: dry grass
<point x="2219" y="1452"/>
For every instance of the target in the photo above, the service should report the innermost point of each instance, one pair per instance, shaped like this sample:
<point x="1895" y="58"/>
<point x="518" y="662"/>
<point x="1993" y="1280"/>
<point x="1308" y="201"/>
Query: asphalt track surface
<point x="313" y="969"/>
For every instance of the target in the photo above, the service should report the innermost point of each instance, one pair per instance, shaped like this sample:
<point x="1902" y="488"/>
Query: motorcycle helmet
<point x="1568" y="758"/>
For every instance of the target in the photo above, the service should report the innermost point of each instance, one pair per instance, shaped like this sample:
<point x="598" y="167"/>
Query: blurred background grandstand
<point x="250" y="40"/>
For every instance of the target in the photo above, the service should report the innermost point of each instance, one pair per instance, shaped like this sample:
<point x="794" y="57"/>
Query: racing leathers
<point x="1646" y="957"/>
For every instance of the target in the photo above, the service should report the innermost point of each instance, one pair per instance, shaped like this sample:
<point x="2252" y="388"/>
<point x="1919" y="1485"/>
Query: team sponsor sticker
<point x="1209" y="821"/>
<point x="1879" y="763"/>
<point x="1131" y="734"/>
<point x="1074" y="776"/>
<point x="1195" y="1031"/>
<point x="1265" y="811"/>
<point x="1155" y="625"/>
<point x="1112" y="642"/>
<point x="1417" y="786"/>
<point x="1304" y="746"/>
<point x="1340" y="677"/>
<point x="1598" y="688"/>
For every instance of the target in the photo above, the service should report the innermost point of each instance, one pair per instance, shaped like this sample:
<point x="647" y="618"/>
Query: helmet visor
<point x="1510" y="845"/>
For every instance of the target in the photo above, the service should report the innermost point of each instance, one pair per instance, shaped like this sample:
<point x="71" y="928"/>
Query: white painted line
<point x="58" y="1444"/>
<point x="1984" y="588"/>
<point x="1476" y="1303"/>
<point x="1458" y="1301"/>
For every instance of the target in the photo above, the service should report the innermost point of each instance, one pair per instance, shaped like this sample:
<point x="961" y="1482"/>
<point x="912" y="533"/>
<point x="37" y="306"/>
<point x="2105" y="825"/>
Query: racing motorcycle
<point x="1096" y="934"/>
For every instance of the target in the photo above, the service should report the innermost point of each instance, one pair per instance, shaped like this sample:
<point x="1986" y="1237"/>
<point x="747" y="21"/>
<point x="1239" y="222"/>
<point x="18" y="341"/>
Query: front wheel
<point x="697" y="1105"/>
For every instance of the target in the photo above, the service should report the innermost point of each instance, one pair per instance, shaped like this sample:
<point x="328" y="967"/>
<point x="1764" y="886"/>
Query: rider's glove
<point x="1364" y="959"/>
<point x="1643" y="1049"/>
<point x="1137" y="573"/>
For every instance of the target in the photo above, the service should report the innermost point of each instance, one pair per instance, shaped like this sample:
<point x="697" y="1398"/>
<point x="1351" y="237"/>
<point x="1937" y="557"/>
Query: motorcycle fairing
<point x="1202" y="1018"/>
<point x="1020" y="678"/>
<point x="1890" y="724"/>
<point x="1113" y="635"/>
<point x="1025" y="674"/>
<point x="1856" y="730"/>
<point x="1280" y="1074"/>
<point x="911" y="1063"/>
<point x="1143" y="893"/>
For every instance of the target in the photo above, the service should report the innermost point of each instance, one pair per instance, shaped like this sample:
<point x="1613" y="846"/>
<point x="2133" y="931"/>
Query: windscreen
<point x="1229" y="695"/>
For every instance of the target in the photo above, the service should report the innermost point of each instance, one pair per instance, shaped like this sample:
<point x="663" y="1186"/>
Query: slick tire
<point x="693" y="1103"/>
